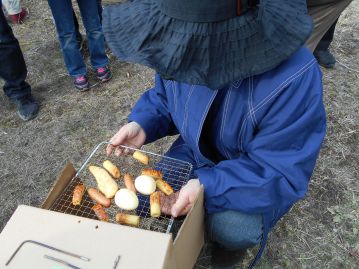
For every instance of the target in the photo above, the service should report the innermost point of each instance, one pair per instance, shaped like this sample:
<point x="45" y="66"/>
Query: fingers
<point x="118" y="139"/>
<point x="181" y="204"/>
<point x="109" y="149"/>
<point x="186" y="198"/>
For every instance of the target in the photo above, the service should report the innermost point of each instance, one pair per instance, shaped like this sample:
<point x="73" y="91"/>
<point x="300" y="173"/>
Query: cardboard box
<point x="100" y="242"/>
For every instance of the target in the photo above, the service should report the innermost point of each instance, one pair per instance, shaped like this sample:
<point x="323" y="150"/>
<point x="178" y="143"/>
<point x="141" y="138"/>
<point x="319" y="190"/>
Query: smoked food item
<point x="164" y="186"/>
<point x="155" y="204"/>
<point x="152" y="173"/>
<point x="128" y="179"/>
<point x="112" y="169"/>
<point x="106" y="184"/>
<point x="100" y="212"/>
<point x="78" y="193"/>
<point x="99" y="197"/>
<point x="143" y="158"/>
<point x="127" y="219"/>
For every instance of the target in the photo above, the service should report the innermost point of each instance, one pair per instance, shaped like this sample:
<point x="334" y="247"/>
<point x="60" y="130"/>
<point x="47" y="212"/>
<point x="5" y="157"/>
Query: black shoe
<point x="103" y="74"/>
<point x="81" y="83"/>
<point x="27" y="108"/>
<point x="324" y="58"/>
<point x="226" y="259"/>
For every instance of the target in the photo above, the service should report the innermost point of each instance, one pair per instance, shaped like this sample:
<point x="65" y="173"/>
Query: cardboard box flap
<point x="60" y="184"/>
<point x="101" y="242"/>
<point x="192" y="230"/>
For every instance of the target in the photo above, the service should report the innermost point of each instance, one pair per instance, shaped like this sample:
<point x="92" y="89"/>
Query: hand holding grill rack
<point x="175" y="172"/>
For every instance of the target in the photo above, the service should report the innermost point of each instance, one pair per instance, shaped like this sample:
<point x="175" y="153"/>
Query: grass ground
<point x="321" y="231"/>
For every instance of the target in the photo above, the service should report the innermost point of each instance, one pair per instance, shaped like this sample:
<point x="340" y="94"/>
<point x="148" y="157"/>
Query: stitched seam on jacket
<point x="223" y="122"/>
<point x="237" y="85"/>
<point x="174" y="90"/>
<point x="273" y="93"/>
<point x="285" y="83"/>
<point x="185" y="116"/>
<point x="167" y="82"/>
<point x="251" y="102"/>
<point x="250" y="80"/>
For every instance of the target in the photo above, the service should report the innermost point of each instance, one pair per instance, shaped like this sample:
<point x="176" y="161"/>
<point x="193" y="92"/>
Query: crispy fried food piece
<point x="78" y="193"/>
<point x="143" y="158"/>
<point x="155" y="204"/>
<point x="106" y="184"/>
<point x="152" y="173"/>
<point x="127" y="219"/>
<point x="128" y="179"/>
<point x="164" y="186"/>
<point x="100" y="212"/>
<point x="112" y="169"/>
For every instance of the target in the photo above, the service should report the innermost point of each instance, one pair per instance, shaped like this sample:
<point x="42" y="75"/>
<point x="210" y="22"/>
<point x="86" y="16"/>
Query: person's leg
<point x="13" y="71"/>
<point x="63" y="15"/>
<point x="79" y="37"/>
<point x="322" y="53"/>
<point x="323" y="18"/>
<point x="15" y="13"/>
<point x="232" y="233"/>
<point x="327" y="39"/>
<point x="99" y="8"/>
<point x="95" y="37"/>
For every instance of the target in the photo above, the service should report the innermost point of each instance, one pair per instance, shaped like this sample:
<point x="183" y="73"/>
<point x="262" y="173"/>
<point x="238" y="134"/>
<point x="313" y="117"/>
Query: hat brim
<point x="211" y="54"/>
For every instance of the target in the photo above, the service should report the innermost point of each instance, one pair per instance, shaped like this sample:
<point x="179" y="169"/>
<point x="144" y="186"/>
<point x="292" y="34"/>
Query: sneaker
<point x="103" y="74"/>
<point x="19" y="18"/>
<point x="27" y="108"/>
<point x="324" y="58"/>
<point x="81" y="83"/>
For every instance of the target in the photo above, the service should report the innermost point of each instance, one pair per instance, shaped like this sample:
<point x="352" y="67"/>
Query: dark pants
<point x="324" y="43"/>
<point x="62" y="12"/>
<point x="12" y="63"/>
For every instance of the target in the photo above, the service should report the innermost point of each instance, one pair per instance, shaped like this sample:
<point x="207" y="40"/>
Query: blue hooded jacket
<point x="268" y="129"/>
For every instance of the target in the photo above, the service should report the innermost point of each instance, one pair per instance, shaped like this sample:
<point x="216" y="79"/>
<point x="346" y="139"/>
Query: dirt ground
<point x="321" y="231"/>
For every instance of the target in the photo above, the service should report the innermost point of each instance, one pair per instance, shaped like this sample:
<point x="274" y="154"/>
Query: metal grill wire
<point x="175" y="172"/>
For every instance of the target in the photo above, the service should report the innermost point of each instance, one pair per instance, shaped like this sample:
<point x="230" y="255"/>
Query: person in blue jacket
<point x="244" y="96"/>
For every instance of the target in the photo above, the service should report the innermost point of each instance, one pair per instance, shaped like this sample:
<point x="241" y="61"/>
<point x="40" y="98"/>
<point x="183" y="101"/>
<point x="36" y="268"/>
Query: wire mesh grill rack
<point x="175" y="172"/>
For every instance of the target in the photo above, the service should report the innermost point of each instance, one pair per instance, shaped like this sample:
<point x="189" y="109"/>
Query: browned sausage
<point x="100" y="212"/>
<point x="99" y="197"/>
<point x="79" y="191"/>
<point x="129" y="182"/>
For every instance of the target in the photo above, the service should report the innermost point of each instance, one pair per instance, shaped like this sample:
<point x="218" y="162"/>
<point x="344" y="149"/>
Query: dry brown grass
<point x="321" y="231"/>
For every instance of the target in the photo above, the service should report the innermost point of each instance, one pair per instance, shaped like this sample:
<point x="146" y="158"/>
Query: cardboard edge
<point x="61" y="182"/>
<point x="192" y="230"/>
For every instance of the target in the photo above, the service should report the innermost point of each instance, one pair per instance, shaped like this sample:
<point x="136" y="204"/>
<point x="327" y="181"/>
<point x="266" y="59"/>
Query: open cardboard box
<point x="103" y="243"/>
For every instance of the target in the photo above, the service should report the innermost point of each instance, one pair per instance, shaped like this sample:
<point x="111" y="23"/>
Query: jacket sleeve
<point x="152" y="113"/>
<point x="274" y="170"/>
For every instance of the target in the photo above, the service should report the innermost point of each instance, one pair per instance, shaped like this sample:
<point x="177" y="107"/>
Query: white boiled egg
<point x="145" y="184"/>
<point x="126" y="199"/>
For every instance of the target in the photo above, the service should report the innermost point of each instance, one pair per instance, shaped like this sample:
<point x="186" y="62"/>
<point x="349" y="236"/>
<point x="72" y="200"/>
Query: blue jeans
<point x="233" y="230"/>
<point x="62" y="12"/>
<point x="12" y="64"/>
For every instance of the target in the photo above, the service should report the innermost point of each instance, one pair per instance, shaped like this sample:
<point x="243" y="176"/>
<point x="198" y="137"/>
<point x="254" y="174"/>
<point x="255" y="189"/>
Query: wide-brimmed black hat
<point x="207" y="42"/>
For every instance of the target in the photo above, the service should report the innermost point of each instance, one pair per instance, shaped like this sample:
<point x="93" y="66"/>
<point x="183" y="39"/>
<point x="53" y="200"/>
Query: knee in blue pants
<point x="234" y="230"/>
